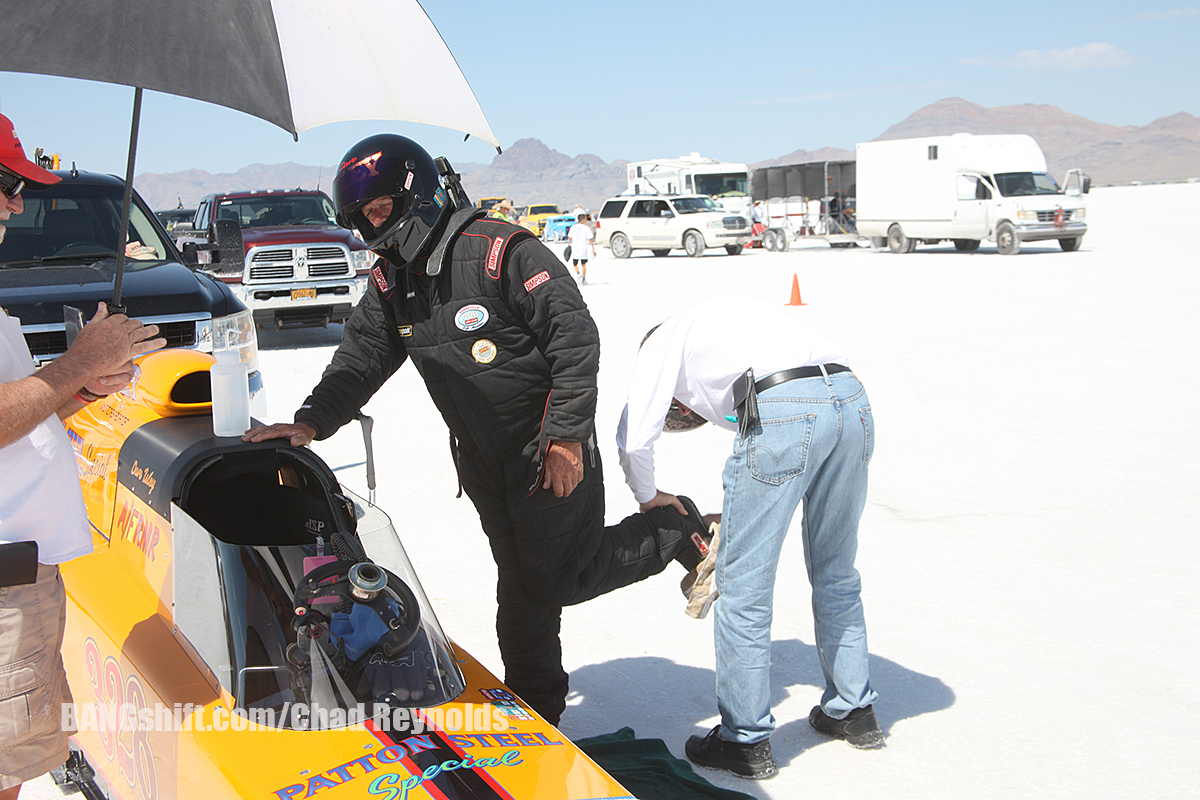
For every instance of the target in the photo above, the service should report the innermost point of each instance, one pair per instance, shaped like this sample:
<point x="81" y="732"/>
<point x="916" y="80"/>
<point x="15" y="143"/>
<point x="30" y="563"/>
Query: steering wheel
<point x="103" y="250"/>
<point x="361" y="582"/>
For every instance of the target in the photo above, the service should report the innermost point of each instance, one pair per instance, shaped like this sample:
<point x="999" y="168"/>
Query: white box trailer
<point x="813" y="200"/>
<point x="966" y="188"/>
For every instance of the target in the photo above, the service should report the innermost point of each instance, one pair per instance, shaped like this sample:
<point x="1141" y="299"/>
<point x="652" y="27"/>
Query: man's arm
<point x="370" y="353"/>
<point x="100" y="361"/>
<point x="553" y="308"/>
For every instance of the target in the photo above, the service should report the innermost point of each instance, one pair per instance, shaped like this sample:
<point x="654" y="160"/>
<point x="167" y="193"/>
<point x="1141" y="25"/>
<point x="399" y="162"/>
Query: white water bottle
<point x="230" y="394"/>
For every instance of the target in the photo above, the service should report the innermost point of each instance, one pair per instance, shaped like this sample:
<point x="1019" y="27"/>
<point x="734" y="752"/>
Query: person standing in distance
<point x="506" y="346"/>
<point x="582" y="241"/>
<point x="804" y="434"/>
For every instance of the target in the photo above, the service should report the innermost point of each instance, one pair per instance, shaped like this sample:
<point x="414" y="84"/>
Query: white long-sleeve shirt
<point x="696" y="357"/>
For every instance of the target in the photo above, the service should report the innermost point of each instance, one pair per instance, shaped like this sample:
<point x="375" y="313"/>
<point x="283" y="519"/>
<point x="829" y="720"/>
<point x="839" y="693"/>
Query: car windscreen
<point x="346" y="656"/>
<point x="259" y="211"/>
<point x="75" y="222"/>
<point x="729" y="184"/>
<point x="1025" y="184"/>
<point x="543" y="210"/>
<point x="694" y="205"/>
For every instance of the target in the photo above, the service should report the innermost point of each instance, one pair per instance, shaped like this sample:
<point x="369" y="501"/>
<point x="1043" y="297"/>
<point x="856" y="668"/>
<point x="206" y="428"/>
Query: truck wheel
<point x="1007" y="242"/>
<point x="660" y="253"/>
<point x="899" y="243"/>
<point x="733" y="249"/>
<point x="1070" y="245"/>
<point x="619" y="245"/>
<point x="879" y="241"/>
<point x="966" y="245"/>
<point x="693" y="244"/>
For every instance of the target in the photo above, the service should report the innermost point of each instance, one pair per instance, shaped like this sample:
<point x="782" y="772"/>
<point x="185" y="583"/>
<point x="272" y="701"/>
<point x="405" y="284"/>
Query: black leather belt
<point x="745" y="393"/>
<point x="783" y="376"/>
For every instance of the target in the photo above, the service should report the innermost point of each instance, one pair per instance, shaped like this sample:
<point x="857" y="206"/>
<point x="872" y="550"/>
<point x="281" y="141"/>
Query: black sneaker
<point x="698" y="535"/>
<point x="747" y="760"/>
<point x="859" y="728"/>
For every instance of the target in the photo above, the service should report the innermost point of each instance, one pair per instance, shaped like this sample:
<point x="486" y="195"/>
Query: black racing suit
<point x="509" y="354"/>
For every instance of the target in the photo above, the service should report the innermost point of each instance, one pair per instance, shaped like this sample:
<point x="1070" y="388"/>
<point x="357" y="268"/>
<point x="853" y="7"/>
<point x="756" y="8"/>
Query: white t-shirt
<point x="580" y="236"/>
<point x="40" y="499"/>
<point x="696" y="357"/>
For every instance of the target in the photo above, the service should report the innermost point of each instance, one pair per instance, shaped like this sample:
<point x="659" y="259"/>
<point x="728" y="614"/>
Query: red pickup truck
<point x="301" y="268"/>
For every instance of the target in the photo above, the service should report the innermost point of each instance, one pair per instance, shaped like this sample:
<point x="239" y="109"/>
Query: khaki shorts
<point x="33" y="684"/>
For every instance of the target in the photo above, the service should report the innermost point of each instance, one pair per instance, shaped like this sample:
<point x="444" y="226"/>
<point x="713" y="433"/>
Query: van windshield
<point x="1024" y="184"/>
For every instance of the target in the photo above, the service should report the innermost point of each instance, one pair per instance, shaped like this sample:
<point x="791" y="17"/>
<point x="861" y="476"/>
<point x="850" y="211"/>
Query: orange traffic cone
<point x="796" y="301"/>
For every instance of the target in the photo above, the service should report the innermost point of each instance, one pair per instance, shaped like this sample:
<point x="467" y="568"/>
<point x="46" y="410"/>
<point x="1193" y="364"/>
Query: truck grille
<point x="734" y="223"/>
<point x="1048" y="216"/>
<point x="268" y="264"/>
<point x="45" y="345"/>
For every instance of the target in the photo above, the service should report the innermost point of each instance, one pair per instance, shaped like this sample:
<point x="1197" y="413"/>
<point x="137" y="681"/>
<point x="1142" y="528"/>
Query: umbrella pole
<point x="116" y="307"/>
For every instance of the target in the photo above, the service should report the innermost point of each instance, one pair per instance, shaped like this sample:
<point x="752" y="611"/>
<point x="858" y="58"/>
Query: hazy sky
<point x="661" y="78"/>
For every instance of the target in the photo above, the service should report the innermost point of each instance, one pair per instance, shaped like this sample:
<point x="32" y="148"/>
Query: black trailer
<point x="814" y="200"/>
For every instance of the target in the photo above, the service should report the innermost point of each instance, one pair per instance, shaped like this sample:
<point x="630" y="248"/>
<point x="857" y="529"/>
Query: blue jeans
<point x="813" y="444"/>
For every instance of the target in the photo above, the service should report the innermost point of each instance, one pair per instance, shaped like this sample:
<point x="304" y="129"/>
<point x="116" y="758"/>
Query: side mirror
<point x="225" y="239"/>
<point x="1087" y="184"/>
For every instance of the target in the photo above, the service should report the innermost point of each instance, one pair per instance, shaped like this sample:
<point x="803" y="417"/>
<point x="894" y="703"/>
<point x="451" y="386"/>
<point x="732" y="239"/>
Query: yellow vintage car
<point x="537" y="214"/>
<point x="248" y="628"/>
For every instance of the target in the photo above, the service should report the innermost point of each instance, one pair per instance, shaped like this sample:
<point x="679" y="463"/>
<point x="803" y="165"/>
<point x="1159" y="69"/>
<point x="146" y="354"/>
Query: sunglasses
<point x="11" y="185"/>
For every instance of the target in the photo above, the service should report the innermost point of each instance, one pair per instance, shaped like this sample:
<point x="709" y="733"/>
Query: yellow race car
<point x="248" y="628"/>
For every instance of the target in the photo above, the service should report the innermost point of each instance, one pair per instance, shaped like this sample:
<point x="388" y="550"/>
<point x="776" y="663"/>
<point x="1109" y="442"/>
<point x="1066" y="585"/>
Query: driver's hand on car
<point x="299" y="433"/>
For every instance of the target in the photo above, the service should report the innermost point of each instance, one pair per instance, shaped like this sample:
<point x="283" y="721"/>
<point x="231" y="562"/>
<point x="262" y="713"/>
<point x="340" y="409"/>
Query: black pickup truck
<point x="61" y="250"/>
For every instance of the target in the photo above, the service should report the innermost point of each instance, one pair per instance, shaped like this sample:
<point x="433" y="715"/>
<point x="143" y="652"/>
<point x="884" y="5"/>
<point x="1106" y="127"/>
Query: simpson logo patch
<point x="493" y="259"/>
<point x="404" y="330"/>
<point x="471" y="318"/>
<point x="537" y="280"/>
<point x="378" y="277"/>
<point x="484" y="351"/>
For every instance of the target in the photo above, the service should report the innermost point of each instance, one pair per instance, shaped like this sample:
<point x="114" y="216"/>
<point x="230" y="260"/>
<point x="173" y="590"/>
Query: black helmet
<point x="388" y="165"/>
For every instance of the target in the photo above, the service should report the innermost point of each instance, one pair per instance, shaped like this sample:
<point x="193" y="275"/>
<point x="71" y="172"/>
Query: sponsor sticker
<point x="537" y="280"/>
<point x="378" y="277"/>
<point x="405" y="330"/>
<point x="493" y="259"/>
<point x="484" y="351"/>
<point x="439" y="197"/>
<point x="408" y="182"/>
<point x="471" y="318"/>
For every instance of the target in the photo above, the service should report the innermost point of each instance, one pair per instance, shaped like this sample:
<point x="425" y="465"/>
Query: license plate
<point x="304" y="294"/>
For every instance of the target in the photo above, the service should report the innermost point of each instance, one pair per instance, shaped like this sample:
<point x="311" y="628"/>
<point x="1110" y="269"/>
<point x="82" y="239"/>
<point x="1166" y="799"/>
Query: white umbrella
<point x="295" y="63"/>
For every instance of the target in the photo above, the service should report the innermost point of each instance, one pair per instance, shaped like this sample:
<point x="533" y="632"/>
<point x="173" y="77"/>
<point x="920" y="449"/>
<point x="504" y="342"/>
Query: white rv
<point x="966" y="188"/>
<point x="725" y="182"/>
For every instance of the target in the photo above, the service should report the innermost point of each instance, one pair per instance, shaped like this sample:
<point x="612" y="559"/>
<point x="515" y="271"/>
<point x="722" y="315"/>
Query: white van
<point x="663" y="223"/>
<point x="966" y="188"/>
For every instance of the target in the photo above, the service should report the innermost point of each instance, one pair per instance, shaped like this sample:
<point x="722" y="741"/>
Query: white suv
<point x="663" y="223"/>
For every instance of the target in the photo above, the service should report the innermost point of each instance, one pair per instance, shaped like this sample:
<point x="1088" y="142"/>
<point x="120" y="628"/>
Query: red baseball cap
<point x="12" y="158"/>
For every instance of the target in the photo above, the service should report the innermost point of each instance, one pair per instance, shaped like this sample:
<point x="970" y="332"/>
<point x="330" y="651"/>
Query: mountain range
<point x="1167" y="149"/>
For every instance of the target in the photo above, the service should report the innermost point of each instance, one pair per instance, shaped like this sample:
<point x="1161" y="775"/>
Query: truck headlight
<point x="362" y="259"/>
<point x="1027" y="216"/>
<point x="1079" y="213"/>
<point x="715" y="224"/>
<point x="236" y="332"/>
